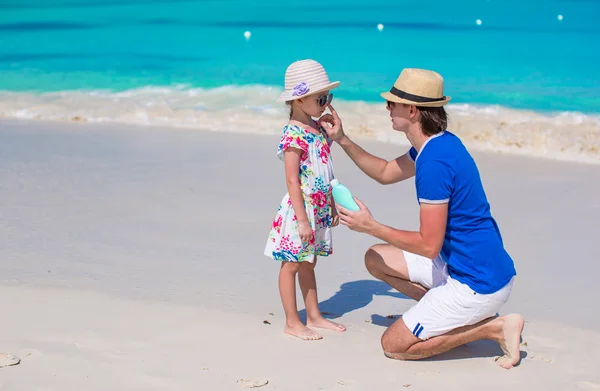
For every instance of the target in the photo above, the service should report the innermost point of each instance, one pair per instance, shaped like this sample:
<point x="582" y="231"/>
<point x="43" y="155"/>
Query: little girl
<point x="301" y="230"/>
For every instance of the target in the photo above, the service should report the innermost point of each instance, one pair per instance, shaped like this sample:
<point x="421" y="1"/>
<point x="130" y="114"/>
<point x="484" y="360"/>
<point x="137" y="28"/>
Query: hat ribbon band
<point x="415" y="98"/>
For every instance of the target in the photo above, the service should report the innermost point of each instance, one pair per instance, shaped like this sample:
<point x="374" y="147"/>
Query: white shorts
<point x="448" y="304"/>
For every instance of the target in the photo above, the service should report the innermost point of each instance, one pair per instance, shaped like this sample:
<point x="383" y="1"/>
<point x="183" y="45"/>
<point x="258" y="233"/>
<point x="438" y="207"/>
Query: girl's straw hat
<point x="418" y="87"/>
<point x="305" y="77"/>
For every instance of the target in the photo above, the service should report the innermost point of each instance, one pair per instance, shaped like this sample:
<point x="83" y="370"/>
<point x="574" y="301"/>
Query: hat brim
<point x="393" y="98"/>
<point x="287" y="95"/>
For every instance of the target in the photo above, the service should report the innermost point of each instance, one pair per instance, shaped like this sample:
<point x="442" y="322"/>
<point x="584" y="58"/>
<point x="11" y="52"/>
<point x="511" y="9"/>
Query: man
<point x="455" y="266"/>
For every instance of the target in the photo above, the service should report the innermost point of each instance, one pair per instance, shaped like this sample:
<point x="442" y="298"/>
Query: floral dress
<point x="316" y="171"/>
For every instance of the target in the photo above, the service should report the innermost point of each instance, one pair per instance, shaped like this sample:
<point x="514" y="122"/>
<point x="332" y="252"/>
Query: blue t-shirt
<point x="473" y="248"/>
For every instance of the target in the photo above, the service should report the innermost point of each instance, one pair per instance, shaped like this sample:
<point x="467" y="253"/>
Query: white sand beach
<point x="131" y="259"/>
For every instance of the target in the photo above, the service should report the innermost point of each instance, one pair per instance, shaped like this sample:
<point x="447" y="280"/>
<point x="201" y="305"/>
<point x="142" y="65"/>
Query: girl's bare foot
<point x="302" y="332"/>
<point x="323" y="323"/>
<point x="511" y="338"/>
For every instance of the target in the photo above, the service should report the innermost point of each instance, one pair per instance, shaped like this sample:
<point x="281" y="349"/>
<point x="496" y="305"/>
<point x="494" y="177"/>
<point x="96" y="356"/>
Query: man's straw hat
<point x="419" y="87"/>
<point x="305" y="77"/>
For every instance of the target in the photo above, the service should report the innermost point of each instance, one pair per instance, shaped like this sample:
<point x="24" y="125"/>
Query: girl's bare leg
<point x="287" y="290"/>
<point x="308" y="286"/>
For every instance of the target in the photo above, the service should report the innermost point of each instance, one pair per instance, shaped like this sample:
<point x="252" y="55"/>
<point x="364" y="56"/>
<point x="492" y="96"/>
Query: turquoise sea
<point x="189" y="61"/>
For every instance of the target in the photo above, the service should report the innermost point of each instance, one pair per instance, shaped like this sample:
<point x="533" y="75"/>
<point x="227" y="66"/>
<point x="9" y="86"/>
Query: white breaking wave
<point x="253" y="109"/>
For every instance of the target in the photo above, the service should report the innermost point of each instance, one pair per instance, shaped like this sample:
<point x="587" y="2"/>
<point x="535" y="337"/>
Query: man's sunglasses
<point x="324" y="100"/>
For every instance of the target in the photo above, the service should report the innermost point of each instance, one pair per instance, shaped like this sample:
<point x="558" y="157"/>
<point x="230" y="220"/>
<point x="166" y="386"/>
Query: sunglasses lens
<point x="325" y="99"/>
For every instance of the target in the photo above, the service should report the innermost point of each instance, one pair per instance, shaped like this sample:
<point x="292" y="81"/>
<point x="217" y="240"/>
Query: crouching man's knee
<point x="394" y="347"/>
<point x="373" y="260"/>
<point x="390" y="349"/>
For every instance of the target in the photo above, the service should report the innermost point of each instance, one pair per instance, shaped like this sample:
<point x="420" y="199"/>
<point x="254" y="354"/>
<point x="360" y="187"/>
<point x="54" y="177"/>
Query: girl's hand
<point x="335" y="217"/>
<point x="305" y="231"/>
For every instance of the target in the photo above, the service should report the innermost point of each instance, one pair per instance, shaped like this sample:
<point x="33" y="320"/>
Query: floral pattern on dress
<point x="316" y="173"/>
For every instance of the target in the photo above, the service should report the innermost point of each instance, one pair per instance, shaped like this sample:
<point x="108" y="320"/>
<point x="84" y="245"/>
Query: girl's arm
<point x="292" y="180"/>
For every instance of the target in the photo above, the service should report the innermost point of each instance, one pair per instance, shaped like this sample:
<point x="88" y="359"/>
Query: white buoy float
<point x="559" y="17"/>
<point x="478" y="21"/>
<point x="380" y="27"/>
<point x="247" y="35"/>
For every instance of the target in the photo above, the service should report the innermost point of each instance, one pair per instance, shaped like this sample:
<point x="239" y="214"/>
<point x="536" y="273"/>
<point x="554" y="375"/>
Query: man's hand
<point x="332" y="124"/>
<point x="360" y="221"/>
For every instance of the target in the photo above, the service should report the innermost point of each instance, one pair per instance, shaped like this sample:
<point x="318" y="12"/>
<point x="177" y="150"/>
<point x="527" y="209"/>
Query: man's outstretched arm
<point x="381" y="170"/>
<point x="435" y="186"/>
<point x="427" y="241"/>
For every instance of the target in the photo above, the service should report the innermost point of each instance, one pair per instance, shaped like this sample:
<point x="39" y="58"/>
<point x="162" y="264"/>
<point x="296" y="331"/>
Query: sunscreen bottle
<point x="342" y="196"/>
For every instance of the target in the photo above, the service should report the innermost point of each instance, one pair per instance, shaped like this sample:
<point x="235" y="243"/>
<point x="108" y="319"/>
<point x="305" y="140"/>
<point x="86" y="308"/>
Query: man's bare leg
<point x="386" y="262"/>
<point x="399" y="343"/>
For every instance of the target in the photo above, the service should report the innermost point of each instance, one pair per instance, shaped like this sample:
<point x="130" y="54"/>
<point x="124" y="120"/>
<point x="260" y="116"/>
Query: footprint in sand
<point x="252" y="383"/>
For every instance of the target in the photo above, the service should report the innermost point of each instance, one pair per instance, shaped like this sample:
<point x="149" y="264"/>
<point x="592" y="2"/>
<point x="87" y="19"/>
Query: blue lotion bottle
<point x="343" y="196"/>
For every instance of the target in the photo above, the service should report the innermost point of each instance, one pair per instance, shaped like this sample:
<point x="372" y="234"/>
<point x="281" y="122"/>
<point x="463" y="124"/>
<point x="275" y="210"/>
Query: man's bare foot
<point x="323" y="323"/>
<point x="510" y="340"/>
<point x="302" y="332"/>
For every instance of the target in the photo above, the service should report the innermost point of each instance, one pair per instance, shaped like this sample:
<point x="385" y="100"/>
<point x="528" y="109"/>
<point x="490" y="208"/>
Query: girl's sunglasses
<point x="324" y="100"/>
